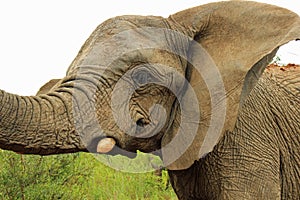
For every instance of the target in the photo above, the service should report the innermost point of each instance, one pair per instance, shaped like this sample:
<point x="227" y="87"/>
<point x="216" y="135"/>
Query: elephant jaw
<point x="105" y="145"/>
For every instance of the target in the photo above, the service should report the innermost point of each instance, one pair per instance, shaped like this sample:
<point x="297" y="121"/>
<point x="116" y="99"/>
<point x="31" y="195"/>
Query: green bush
<point x="37" y="177"/>
<point x="78" y="176"/>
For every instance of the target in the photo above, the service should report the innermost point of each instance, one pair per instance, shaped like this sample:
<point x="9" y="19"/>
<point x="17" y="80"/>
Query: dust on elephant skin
<point x="193" y="88"/>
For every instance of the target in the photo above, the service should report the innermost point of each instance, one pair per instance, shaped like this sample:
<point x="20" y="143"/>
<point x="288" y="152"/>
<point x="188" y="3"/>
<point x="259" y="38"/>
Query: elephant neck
<point x="265" y="137"/>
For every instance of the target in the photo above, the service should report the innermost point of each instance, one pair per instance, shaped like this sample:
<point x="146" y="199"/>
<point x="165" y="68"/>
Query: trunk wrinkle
<point x="42" y="124"/>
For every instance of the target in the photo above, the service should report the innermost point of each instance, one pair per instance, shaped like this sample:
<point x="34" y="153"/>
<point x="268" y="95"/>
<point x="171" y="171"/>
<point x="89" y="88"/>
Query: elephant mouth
<point x="112" y="146"/>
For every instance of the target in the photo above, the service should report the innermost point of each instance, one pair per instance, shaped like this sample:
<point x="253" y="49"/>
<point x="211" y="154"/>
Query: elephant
<point x="193" y="88"/>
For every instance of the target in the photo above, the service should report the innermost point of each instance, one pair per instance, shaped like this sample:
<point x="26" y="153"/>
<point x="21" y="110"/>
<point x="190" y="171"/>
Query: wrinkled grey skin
<point x="260" y="158"/>
<point x="256" y="155"/>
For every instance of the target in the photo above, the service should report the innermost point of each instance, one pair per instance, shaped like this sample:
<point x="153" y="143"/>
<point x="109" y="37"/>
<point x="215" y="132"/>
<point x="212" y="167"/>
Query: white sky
<point x="39" y="39"/>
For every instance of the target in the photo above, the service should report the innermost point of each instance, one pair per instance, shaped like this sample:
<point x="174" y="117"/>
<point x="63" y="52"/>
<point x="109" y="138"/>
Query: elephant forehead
<point x="122" y="35"/>
<point x="131" y="46"/>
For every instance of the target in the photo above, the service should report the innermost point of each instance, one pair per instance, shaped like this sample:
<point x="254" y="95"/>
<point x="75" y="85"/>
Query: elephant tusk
<point x="105" y="145"/>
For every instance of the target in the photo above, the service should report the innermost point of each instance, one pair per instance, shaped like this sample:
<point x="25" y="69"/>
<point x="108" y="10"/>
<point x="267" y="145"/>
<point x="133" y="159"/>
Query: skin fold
<point x="192" y="88"/>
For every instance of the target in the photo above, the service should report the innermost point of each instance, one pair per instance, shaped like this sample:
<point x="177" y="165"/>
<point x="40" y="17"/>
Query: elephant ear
<point x="239" y="39"/>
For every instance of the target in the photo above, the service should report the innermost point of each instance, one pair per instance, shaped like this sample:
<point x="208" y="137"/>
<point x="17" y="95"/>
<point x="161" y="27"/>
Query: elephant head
<point x="170" y="86"/>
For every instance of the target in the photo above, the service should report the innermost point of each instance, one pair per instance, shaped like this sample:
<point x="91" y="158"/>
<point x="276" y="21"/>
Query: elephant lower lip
<point x="118" y="151"/>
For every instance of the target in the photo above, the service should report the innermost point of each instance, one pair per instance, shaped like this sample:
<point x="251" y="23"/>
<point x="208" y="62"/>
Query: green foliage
<point x="77" y="176"/>
<point x="37" y="177"/>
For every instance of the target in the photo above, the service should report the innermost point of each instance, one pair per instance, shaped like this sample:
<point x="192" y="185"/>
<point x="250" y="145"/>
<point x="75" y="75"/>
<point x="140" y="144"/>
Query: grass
<point x="80" y="176"/>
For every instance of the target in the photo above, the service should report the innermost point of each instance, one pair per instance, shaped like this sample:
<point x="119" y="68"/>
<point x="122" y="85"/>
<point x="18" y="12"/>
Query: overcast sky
<point x="39" y="39"/>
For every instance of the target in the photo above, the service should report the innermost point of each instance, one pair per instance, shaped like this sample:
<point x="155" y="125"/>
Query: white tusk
<point x="105" y="145"/>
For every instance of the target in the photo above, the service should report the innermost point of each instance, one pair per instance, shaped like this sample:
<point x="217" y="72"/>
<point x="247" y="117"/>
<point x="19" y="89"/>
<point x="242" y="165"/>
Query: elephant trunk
<point x="42" y="124"/>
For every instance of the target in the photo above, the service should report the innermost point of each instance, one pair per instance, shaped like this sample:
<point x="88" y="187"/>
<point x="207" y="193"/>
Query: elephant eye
<point x="142" y="77"/>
